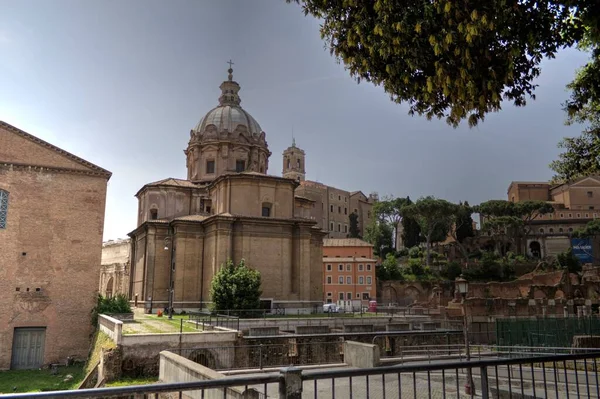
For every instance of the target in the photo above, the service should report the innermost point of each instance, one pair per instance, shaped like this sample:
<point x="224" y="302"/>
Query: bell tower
<point x="293" y="163"/>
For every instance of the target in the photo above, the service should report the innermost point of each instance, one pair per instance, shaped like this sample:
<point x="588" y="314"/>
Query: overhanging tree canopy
<point x="458" y="59"/>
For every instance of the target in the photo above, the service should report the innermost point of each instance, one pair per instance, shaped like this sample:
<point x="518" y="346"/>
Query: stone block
<point x="357" y="354"/>
<point x="263" y="331"/>
<point x="312" y="329"/>
<point x="352" y="328"/>
<point x="398" y="327"/>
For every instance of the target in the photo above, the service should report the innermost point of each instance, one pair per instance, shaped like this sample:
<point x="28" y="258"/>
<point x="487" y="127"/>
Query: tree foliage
<point x="117" y="304"/>
<point x="380" y="235"/>
<point x="463" y="222"/>
<point x="581" y="156"/>
<point x="236" y="287"/>
<point x="389" y="210"/>
<point x="431" y="214"/>
<point x="411" y="232"/>
<point x="389" y="269"/>
<point x="354" y="231"/>
<point x="459" y="59"/>
<point x="591" y="229"/>
<point x="568" y="261"/>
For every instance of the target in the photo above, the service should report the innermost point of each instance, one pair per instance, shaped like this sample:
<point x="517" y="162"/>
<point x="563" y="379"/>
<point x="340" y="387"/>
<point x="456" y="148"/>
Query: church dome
<point x="229" y="115"/>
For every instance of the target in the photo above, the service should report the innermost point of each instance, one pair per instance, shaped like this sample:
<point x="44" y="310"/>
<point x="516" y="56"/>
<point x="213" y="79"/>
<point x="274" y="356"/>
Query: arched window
<point x="542" y="231"/>
<point x="3" y="208"/>
<point x="551" y="230"/>
<point x="560" y="230"/>
<point x="570" y="229"/>
<point x="153" y="214"/>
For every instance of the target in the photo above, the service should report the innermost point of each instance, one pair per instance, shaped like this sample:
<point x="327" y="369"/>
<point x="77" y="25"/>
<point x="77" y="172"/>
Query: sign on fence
<point x="582" y="249"/>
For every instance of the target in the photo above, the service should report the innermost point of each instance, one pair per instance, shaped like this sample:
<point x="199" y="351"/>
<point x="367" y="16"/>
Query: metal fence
<point x="557" y="376"/>
<point x="292" y="353"/>
<point x="207" y="320"/>
<point x="554" y="332"/>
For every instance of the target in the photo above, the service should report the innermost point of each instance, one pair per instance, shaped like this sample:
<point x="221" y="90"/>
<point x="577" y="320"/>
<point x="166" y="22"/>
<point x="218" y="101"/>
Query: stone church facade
<point x="227" y="208"/>
<point x="51" y="221"/>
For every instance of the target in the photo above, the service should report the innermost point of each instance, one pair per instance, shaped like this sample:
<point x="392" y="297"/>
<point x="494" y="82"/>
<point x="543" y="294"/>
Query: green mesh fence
<point x="547" y="332"/>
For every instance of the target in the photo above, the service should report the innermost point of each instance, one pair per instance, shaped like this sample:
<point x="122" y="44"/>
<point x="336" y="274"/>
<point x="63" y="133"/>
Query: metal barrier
<point x="559" y="376"/>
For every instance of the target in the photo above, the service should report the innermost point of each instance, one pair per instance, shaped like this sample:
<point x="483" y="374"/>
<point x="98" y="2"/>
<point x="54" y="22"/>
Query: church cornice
<point x="95" y="169"/>
<point x="12" y="166"/>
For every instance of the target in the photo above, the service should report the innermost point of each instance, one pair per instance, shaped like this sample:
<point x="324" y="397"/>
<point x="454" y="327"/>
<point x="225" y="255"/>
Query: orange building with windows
<point x="348" y="271"/>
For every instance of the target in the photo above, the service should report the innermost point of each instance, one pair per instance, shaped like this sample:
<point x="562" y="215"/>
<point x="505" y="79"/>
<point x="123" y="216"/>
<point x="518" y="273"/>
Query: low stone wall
<point x="175" y="368"/>
<point x="111" y="327"/>
<point x="125" y="317"/>
<point x="312" y="330"/>
<point x="141" y="351"/>
<point x="263" y="331"/>
<point x="398" y="327"/>
<point x="353" y="328"/>
<point x="358" y="354"/>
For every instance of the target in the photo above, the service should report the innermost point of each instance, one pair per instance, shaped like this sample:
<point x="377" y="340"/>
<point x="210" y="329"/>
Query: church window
<point x="153" y="214"/>
<point x="266" y="210"/>
<point x="299" y="164"/>
<point x="240" y="166"/>
<point x="210" y="167"/>
<point x="3" y="208"/>
<point x="288" y="163"/>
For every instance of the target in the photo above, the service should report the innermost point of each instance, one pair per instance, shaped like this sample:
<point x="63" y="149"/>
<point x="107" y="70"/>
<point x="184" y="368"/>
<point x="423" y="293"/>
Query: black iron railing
<point x="557" y="376"/>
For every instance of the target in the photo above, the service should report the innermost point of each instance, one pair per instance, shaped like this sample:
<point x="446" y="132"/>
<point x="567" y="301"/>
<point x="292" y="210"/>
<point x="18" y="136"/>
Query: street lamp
<point x="169" y="242"/>
<point x="462" y="286"/>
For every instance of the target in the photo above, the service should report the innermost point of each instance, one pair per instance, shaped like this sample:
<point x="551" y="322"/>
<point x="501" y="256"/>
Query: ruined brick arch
<point x="389" y="295"/>
<point x="412" y="292"/>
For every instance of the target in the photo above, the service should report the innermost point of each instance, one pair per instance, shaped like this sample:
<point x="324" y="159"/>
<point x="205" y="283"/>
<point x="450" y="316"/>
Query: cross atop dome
<point x="230" y="89"/>
<point x="230" y="70"/>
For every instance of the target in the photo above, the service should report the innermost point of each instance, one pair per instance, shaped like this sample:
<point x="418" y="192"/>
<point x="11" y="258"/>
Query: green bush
<point x="415" y="253"/>
<point x="566" y="260"/>
<point x="452" y="271"/>
<point x="116" y="304"/>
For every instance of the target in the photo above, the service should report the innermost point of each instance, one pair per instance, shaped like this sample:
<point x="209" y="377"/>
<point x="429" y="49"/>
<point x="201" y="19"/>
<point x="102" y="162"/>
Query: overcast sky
<point x="122" y="83"/>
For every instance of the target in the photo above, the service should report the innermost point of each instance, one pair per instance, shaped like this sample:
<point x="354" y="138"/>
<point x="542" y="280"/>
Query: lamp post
<point x="170" y="245"/>
<point x="462" y="286"/>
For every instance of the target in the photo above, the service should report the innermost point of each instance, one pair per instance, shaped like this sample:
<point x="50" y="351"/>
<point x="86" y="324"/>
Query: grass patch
<point x="101" y="340"/>
<point x="124" y="382"/>
<point x="40" y="380"/>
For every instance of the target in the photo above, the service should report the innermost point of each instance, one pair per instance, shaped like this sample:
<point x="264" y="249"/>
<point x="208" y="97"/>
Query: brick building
<point x="331" y="206"/>
<point x="348" y="271"/>
<point x="51" y="222"/>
